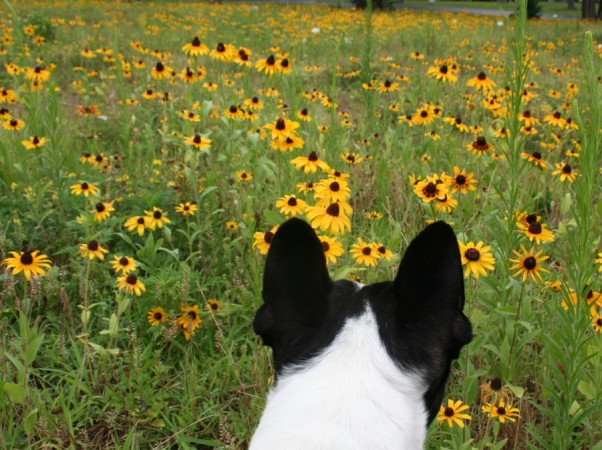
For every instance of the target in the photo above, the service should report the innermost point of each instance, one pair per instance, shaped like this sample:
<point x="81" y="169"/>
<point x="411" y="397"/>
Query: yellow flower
<point x="290" y="205"/>
<point x="364" y="253"/>
<point x="30" y="263"/>
<point x="477" y="258"/>
<point x="501" y="411"/>
<point x="156" y="316"/>
<point x="131" y="284"/>
<point x="189" y="321"/>
<point x="155" y="218"/>
<point x="334" y="217"/>
<point x="264" y="240"/>
<point x="332" y="248"/>
<point x="102" y="211"/>
<point x="34" y="142"/>
<point x="187" y="209"/>
<point x="93" y="250"/>
<point x="138" y="224"/>
<point x="453" y="413"/>
<point x="84" y="188"/>
<point x="527" y="264"/>
<point x="123" y="264"/>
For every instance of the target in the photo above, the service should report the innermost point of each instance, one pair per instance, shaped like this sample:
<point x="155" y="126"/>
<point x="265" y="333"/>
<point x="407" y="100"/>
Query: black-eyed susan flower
<point x="501" y="411"/>
<point x="187" y="209"/>
<point x="195" y="48"/>
<point x="287" y="144"/>
<point x="536" y="158"/>
<point x="267" y="65"/>
<point x="310" y="163"/>
<point x="462" y="181"/>
<point x="34" y="142"/>
<point x="352" y="158"/>
<point x="13" y="124"/>
<point x="124" y="264"/>
<point x="263" y="240"/>
<point x="332" y="190"/>
<point x="333" y="218"/>
<point x="382" y="251"/>
<point x="199" y="142"/>
<point x="131" y="284"/>
<point x="374" y="215"/>
<point x="32" y="264"/>
<point x="304" y="115"/>
<point x="157" y="316"/>
<point x="102" y="211"/>
<point x="155" y="218"/>
<point x="137" y="224"/>
<point x="528" y="264"/>
<point x="423" y="115"/>
<point x="565" y="172"/>
<point x="244" y="175"/>
<point x="481" y="82"/>
<point x="477" y="258"/>
<point x="223" y="52"/>
<point x="332" y="248"/>
<point x="597" y="321"/>
<point x="189" y="321"/>
<point x="453" y="413"/>
<point x="231" y="225"/>
<point x="92" y="250"/>
<point x="284" y="66"/>
<point x="84" y="188"/>
<point x="282" y="128"/>
<point x="243" y="57"/>
<point x="161" y="71"/>
<point x="442" y="72"/>
<point x="290" y="205"/>
<point x="387" y="86"/>
<point x="599" y="262"/>
<point x="537" y="231"/>
<point x="213" y="305"/>
<point x="254" y="103"/>
<point x="364" y="253"/>
<point x="431" y="189"/>
<point x="494" y="389"/>
<point x="479" y="146"/>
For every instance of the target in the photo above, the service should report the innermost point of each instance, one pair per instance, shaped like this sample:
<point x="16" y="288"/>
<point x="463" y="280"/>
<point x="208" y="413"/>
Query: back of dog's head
<point x="417" y="318"/>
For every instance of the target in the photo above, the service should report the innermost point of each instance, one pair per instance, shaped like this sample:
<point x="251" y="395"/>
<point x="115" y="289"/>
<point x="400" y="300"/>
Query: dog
<point x="358" y="367"/>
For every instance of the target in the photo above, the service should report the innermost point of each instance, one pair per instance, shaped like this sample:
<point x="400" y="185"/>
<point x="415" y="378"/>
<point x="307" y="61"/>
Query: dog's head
<point x="418" y="315"/>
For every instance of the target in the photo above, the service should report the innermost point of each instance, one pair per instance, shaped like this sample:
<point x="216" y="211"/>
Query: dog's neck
<point x="350" y="396"/>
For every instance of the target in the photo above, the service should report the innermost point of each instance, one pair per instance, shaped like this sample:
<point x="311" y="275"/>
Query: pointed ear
<point x="296" y="285"/>
<point x="430" y="284"/>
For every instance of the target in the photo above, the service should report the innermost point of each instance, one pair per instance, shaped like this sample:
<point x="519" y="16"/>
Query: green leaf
<point x="30" y="421"/>
<point x="16" y="393"/>
<point x="32" y="349"/>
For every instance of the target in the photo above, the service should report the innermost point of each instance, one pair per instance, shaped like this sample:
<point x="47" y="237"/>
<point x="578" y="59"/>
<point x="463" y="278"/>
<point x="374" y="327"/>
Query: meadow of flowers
<point x="149" y="151"/>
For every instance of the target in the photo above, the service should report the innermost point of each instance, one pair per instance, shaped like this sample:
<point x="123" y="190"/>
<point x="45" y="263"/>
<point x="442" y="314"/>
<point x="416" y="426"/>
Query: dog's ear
<point x="430" y="288"/>
<point x="296" y="285"/>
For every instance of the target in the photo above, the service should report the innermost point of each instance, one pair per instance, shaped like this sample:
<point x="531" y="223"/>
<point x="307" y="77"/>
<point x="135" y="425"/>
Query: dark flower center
<point x="280" y="124"/>
<point x="255" y="100"/>
<point x="100" y="207"/>
<point x="449" y="412"/>
<point x="382" y="250"/>
<point x="527" y="114"/>
<point x="535" y="227"/>
<point x="424" y="113"/>
<point x="270" y="61"/>
<point x="313" y="156"/>
<point x="430" y="189"/>
<point x="26" y="259"/>
<point x="536" y="155"/>
<point x="567" y="169"/>
<point x="289" y="140"/>
<point x="387" y="83"/>
<point x="192" y="315"/>
<point x="197" y="139"/>
<point x="221" y="47"/>
<point x="13" y="123"/>
<point x="157" y="214"/>
<point x="460" y="180"/>
<point x="458" y="121"/>
<point x="196" y="42"/>
<point x="334" y="186"/>
<point x="325" y="246"/>
<point x="333" y="210"/>
<point x="531" y="218"/>
<point x="124" y="261"/>
<point x="481" y="141"/>
<point x="443" y="69"/>
<point x="496" y="384"/>
<point x="233" y="109"/>
<point x="159" y="315"/>
<point x="501" y="411"/>
<point x="556" y="115"/>
<point x="292" y="201"/>
<point x="98" y="158"/>
<point x="131" y="279"/>
<point x="268" y="237"/>
<point x="284" y="63"/>
<point x="140" y="220"/>
<point x="366" y="251"/>
<point x="530" y="263"/>
<point x="481" y="76"/>
<point x="93" y="245"/>
<point x="35" y="140"/>
<point x="159" y="67"/>
<point x="472" y="254"/>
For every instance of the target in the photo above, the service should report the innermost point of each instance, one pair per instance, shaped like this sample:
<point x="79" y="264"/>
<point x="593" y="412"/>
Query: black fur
<point x="419" y="314"/>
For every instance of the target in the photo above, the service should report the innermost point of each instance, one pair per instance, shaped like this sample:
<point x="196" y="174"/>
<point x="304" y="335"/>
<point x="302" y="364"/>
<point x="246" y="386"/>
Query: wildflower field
<point x="149" y="151"/>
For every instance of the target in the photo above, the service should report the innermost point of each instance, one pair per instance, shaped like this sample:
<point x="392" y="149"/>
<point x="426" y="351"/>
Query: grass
<point x="86" y="363"/>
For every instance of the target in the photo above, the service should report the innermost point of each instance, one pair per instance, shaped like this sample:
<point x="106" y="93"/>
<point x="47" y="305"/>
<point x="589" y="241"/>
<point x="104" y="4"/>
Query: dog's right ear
<point x="296" y="285"/>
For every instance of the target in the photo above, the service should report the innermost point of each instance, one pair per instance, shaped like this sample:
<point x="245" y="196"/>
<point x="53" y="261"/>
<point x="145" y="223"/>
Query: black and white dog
<point x="358" y="367"/>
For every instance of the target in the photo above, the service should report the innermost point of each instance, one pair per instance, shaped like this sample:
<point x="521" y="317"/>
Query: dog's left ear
<point x="296" y="285"/>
